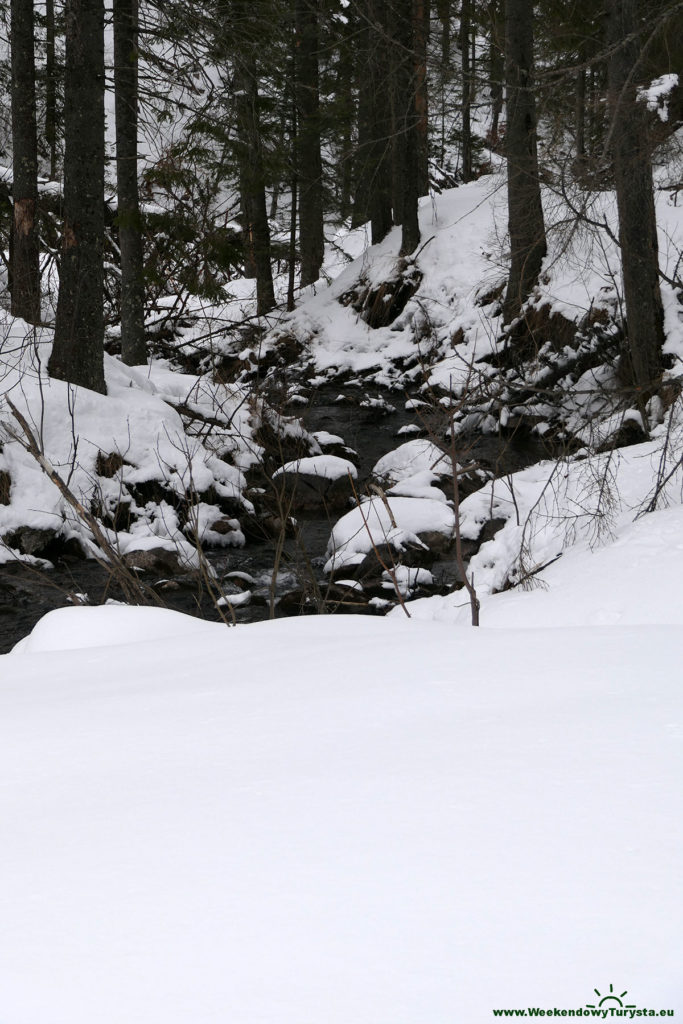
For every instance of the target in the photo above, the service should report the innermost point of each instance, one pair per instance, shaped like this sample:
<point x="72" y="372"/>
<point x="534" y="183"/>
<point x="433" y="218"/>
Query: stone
<point x="154" y="560"/>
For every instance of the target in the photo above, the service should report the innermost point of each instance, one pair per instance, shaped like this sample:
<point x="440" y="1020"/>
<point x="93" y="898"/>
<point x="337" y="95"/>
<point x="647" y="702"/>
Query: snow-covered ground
<point x="348" y="819"/>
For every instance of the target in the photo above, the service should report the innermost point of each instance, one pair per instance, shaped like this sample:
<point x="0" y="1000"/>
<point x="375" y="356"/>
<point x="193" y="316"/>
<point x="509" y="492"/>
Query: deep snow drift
<point x="336" y="820"/>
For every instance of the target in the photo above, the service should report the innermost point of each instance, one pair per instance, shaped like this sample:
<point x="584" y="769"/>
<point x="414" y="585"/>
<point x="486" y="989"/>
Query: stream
<point x="371" y="429"/>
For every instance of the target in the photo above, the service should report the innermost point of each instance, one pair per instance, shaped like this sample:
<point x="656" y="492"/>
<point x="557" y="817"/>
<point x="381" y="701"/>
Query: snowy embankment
<point x="151" y="449"/>
<point x="337" y="819"/>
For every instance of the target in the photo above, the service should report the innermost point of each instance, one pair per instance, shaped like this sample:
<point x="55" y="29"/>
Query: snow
<point x="139" y="421"/>
<point x="336" y="819"/>
<point x="657" y="93"/>
<point x="107" y="626"/>
<point x="410" y="458"/>
<point x="328" y="467"/>
<point x="376" y="522"/>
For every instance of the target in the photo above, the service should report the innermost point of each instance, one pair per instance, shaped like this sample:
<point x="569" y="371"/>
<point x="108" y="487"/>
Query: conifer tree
<point x="25" y="255"/>
<point x="78" y="350"/>
<point x="525" y="212"/>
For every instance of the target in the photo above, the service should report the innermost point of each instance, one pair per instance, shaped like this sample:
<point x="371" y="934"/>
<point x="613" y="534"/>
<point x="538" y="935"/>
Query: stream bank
<point x="273" y="575"/>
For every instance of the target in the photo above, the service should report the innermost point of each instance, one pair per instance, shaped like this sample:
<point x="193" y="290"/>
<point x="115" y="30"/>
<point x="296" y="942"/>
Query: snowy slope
<point x="336" y="820"/>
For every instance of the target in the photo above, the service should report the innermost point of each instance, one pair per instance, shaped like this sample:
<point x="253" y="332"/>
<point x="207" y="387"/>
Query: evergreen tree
<point x="631" y="156"/>
<point x="25" y="255"/>
<point x="308" y="158"/>
<point x="525" y="212"/>
<point x="133" y="349"/>
<point x="78" y="350"/>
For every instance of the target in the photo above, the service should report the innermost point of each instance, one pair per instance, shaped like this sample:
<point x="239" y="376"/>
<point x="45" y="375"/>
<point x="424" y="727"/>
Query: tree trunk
<point x="78" y="350"/>
<point x="525" y="212"/>
<point x="25" y="252"/>
<point x="255" y="228"/>
<point x="421" y="14"/>
<point x="50" y="87"/>
<point x="361" y="163"/>
<point x="496" y="66"/>
<point x="407" y="143"/>
<point x="133" y="348"/>
<point x="631" y="157"/>
<point x="379" y="83"/>
<point x="345" y="99"/>
<point x="309" y="162"/>
<point x="466" y="105"/>
<point x="443" y="8"/>
<point x="580" y="114"/>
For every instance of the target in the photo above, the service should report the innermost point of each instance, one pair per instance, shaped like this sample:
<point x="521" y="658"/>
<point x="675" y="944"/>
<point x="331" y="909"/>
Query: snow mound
<point x="72" y="629"/>
<point x="398" y="522"/>
<point x="417" y="456"/>
<point x="339" y="820"/>
<point x="328" y="467"/>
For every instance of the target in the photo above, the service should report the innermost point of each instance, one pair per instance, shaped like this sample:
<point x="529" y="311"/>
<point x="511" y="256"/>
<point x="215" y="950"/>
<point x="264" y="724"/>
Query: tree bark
<point x="496" y="66"/>
<point x="78" y="350"/>
<point x="525" y="212"/>
<point x="406" y="135"/>
<point x="421" y="16"/>
<point x="345" y="99"/>
<point x="631" y="158"/>
<point x="466" y="105"/>
<point x="50" y="87"/>
<point x="379" y="169"/>
<point x="255" y="227"/>
<point x="443" y="8"/>
<point x="309" y="161"/>
<point x="133" y="348"/>
<point x="25" y="280"/>
<point x="361" y="172"/>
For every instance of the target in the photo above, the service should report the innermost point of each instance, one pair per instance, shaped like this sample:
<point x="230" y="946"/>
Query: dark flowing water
<point x="26" y="594"/>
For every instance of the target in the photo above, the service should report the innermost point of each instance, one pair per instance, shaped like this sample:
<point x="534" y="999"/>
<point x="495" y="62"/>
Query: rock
<point x="417" y="456"/>
<point x="108" y="465"/>
<point x="414" y="531"/>
<point x="488" y="532"/>
<point x="297" y="602"/>
<point x="331" y="444"/>
<point x="317" y="483"/>
<point x="629" y="433"/>
<point x="30" y="541"/>
<point x="155" y="560"/>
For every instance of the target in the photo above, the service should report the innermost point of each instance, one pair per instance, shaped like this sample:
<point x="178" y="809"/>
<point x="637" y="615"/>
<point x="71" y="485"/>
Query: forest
<point x="330" y="330"/>
<point x="292" y="289"/>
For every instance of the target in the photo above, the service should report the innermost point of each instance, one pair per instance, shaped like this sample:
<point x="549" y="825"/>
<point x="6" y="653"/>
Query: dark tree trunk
<point x="255" y="228"/>
<point x="291" y="271"/>
<point x="466" y="105"/>
<point x="443" y="9"/>
<point x="78" y="351"/>
<point x="25" y="253"/>
<point x="421" y="15"/>
<point x="496" y="66"/>
<point x="631" y="156"/>
<point x="379" y="84"/>
<point x="309" y="162"/>
<point x="133" y="349"/>
<point x="361" y="162"/>
<point x="50" y="87"/>
<point x="346" y="103"/>
<point x="293" y="211"/>
<point x="407" y="141"/>
<point x="580" y="127"/>
<point x="525" y="212"/>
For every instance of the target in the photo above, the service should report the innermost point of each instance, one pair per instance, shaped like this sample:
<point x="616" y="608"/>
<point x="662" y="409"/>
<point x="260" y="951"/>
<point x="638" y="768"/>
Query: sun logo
<point x="611" y="998"/>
